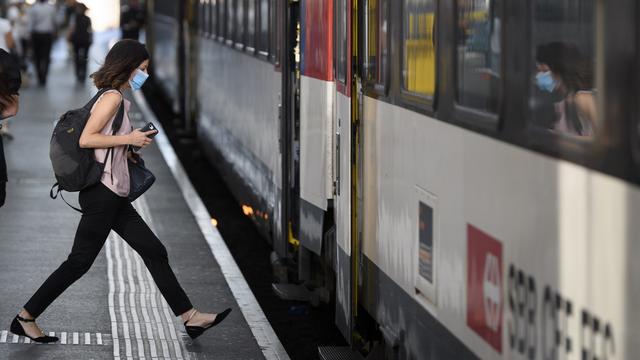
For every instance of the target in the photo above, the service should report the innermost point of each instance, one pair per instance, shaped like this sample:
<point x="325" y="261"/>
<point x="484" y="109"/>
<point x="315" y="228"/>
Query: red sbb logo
<point x="484" y="286"/>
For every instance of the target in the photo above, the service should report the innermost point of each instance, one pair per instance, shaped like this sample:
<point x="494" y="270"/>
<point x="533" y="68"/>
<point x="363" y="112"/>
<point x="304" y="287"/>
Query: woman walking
<point x="81" y="37"/>
<point x="105" y="205"/>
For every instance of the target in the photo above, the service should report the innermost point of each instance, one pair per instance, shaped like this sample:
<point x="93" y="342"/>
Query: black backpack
<point x="76" y="168"/>
<point x="82" y="34"/>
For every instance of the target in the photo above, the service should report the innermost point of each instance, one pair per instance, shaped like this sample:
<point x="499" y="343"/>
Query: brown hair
<point x="123" y="58"/>
<point x="10" y="80"/>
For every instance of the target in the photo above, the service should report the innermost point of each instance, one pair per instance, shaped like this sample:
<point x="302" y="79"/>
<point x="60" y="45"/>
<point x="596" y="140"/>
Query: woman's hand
<point x="139" y="138"/>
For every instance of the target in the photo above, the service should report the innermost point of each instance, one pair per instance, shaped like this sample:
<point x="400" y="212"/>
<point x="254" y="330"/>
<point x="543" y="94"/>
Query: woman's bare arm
<point x="104" y="110"/>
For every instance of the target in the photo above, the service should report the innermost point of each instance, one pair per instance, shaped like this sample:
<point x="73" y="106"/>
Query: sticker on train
<point x="425" y="236"/>
<point x="484" y="286"/>
<point x="426" y="245"/>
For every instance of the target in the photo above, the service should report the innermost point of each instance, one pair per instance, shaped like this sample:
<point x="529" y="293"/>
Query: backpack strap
<point x="95" y="98"/>
<point x="54" y="195"/>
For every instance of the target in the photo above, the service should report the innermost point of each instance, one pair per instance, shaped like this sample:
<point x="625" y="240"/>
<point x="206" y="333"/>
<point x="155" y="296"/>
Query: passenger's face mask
<point x="139" y="77"/>
<point x="545" y="81"/>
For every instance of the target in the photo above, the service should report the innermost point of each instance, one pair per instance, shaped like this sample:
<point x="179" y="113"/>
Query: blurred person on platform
<point x="10" y="82"/>
<point x="132" y="19"/>
<point x="6" y="44"/>
<point x="20" y="30"/>
<point x="81" y="37"/>
<point x="42" y="25"/>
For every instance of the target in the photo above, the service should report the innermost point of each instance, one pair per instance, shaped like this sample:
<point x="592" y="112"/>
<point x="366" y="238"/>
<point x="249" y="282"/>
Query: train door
<point x="346" y="257"/>
<point x="290" y="126"/>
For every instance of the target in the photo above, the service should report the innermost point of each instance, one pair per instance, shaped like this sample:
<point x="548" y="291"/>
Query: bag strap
<point x="54" y="195"/>
<point x="95" y="98"/>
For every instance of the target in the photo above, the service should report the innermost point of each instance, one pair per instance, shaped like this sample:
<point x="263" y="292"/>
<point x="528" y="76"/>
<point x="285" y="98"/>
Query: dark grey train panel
<point x="165" y="57"/>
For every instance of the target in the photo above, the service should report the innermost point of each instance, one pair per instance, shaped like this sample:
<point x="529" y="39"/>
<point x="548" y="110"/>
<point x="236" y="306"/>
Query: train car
<point x="461" y="176"/>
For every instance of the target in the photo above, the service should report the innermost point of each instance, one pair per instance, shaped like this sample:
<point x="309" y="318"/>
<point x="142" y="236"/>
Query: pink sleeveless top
<point x="119" y="182"/>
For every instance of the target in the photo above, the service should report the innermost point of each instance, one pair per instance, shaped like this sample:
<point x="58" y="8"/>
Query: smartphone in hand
<point x="146" y="128"/>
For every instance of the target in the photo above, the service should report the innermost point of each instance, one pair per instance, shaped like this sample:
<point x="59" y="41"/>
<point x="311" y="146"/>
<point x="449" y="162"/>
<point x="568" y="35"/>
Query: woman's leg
<point x="100" y="208"/>
<point x="132" y="228"/>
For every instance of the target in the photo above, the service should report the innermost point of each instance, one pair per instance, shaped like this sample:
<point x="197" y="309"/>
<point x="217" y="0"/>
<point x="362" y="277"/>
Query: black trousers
<point x="103" y="211"/>
<point x="42" y="54"/>
<point x="3" y="192"/>
<point x="81" y="52"/>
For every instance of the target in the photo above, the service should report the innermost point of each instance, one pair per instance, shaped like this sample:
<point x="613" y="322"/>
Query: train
<point x="459" y="177"/>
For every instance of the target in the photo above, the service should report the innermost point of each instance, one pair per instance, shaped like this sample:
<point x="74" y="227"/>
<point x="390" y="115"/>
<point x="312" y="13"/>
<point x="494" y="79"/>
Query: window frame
<point x="376" y="88"/>
<point x="410" y="99"/>
<point x="343" y="87"/>
<point x="469" y="116"/>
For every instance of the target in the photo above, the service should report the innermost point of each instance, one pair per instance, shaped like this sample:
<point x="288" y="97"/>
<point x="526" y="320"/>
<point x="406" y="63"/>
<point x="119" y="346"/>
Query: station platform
<point x="115" y="311"/>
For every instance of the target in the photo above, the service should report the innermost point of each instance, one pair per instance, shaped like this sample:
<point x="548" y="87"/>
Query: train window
<point x="275" y="36"/>
<point x="479" y="53"/>
<point x="263" y="35"/>
<point x="239" y="27"/>
<point x="231" y="21"/>
<point x="341" y="40"/>
<point x="206" y="26"/>
<point x="419" y="50"/>
<point x="201" y="16"/>
<point x="250" y="36"/>
<point x="221" y="18"/>
<point x="563" y="93"/>
<point x="377" y="41"/>
<point x="213" y="18"/>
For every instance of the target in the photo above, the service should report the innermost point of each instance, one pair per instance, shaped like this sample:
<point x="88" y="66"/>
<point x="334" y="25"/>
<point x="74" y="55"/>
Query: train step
<point x="338" y="353"/>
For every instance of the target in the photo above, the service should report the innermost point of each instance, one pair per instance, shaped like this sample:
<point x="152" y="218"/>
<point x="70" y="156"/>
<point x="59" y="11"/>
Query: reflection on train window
<point x="239" y="27"/>
<point x="250" y="36"/>
<point x="377" y="40"/>
<point x="221" y="17"/>
<point x="419" y="51"/>
<point x="230" y="18"/>
<point x="263" y="35"/>
<point x="563" y="93"/>
<point x="213" y="10"/>
<point x="341" y="37"/>
<point x="479" y="54"/>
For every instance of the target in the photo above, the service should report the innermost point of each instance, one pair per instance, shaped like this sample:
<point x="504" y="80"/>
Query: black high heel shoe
<point x="16" y="328"/>
<point x="195" y="331"/>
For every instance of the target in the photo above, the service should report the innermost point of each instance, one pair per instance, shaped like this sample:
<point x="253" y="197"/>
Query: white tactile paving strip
<point x="142" y="325"/>
<point x="66" y="338"/>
